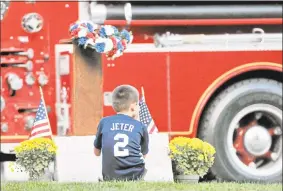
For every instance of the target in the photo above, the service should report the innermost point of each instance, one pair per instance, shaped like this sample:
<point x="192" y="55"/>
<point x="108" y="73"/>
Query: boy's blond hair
<point x="123" y="96"/>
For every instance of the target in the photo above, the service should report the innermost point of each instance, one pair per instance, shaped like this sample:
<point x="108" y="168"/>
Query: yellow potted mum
<point x="34" y="156"/>
<point x="191" y="158"/>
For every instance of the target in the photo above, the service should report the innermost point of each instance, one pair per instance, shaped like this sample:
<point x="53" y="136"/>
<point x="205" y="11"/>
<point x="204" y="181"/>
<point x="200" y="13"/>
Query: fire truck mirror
<point x="4" y="127"/>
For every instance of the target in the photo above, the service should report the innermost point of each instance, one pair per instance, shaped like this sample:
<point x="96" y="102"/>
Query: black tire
<point x="217" y="118"/>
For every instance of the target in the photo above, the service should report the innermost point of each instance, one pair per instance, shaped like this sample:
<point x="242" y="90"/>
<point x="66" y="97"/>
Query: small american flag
<point x="145" y="117"/>
<point x="41" y="127"/>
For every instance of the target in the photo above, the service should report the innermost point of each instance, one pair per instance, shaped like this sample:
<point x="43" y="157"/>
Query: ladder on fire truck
<point x="257" y="37"/>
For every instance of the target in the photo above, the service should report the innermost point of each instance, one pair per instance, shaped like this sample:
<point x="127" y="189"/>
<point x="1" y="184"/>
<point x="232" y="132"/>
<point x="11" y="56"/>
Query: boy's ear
<point x="132" y="106"/>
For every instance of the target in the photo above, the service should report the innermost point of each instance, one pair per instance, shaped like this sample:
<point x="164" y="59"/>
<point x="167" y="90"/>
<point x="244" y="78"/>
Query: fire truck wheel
<point x="244" y="124"/>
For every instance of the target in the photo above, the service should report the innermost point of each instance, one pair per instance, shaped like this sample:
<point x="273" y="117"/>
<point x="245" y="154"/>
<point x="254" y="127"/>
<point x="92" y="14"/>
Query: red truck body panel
<point x="177" y="84"/>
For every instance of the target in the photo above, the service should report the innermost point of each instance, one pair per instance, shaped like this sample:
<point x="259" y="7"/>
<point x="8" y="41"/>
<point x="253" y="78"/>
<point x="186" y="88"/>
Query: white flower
<point x="108" y="45"/>
<point x="82" y="32"/>
<point x="95" y="26"/>
<point x="131" y="39"/>
<point x="89" y="41"/>
<point x="99" y="40"/>
<point x="81" y="27"/>
<point x="117" y="54"/>
<point x="109" y="30"/>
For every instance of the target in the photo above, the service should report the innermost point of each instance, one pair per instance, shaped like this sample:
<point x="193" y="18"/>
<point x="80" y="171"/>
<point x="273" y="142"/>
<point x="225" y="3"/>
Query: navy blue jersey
<point x="123" y="141"/>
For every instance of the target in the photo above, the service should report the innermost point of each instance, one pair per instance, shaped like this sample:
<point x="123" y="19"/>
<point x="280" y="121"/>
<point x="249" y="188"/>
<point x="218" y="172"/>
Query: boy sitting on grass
<point x="122" y="139"/>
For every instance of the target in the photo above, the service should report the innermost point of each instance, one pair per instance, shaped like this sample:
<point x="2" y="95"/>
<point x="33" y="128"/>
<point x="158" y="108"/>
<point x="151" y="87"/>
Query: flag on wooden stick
<point x="145" y="116"/>
<point x="41" y="126"/>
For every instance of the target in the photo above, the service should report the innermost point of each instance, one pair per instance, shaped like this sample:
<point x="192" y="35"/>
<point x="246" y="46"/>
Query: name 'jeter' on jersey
<point x="122" y="126"/>
<point x="123" y="142"/>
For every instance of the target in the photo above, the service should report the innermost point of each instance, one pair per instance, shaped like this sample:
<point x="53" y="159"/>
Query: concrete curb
<point x="75" y="161"/>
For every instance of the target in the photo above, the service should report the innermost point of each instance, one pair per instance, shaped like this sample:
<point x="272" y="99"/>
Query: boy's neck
<point x="125" y="113"/>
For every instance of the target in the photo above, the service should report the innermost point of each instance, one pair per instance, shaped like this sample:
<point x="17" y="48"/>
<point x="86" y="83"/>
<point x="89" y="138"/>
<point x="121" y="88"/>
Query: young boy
<point x="122" y="139"/>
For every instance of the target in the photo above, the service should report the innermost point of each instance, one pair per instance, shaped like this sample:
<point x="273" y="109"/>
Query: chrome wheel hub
<point x="254" y="140"/>
<point x="257" y="140"/>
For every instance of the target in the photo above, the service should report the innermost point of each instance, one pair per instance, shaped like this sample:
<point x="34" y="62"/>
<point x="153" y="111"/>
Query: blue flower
<point x="102" y="32"/>
<point x="126" y="35"/>
<point x="120" y="46"/>
<point x="118" y="38"/>
<point x="99" y="47"/>
<point x="89" y="27"/>
<point x="115" y="30"/>
<point x="73" y="27"/>
<point x="82" y="40"/>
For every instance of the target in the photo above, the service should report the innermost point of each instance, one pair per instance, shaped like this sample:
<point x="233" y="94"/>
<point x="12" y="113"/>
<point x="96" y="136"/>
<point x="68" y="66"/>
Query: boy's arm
<point x="98" y="140"/>
<point x="144" y="142"/>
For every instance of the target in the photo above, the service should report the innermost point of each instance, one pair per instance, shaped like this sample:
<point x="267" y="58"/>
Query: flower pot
<point x="48" y="173"/>
<point x="187" y="178"/>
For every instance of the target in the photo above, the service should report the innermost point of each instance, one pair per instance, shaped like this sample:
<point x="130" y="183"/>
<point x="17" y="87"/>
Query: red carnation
<point x="111" y="53"/>
<point x="114" y="42"/>
<point x="83" y="25"/>
<point x="75" y="32"/>
<point x="124" y="43"/>
<point x="90" y="35"/>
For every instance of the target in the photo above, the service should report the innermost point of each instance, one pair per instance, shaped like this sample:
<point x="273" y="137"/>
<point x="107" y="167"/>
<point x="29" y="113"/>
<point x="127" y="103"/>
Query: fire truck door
<point x="147" y="69"/>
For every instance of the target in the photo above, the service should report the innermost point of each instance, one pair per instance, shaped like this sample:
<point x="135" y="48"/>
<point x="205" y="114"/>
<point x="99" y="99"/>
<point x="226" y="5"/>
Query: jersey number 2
<point x="119" y="147"/>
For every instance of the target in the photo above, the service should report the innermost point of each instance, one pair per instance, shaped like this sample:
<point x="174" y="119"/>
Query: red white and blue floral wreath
<point x="102" y="38"/>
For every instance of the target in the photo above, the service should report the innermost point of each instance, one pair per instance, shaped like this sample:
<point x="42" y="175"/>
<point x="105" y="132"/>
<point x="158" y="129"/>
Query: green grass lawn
<point x="136" y="186"/>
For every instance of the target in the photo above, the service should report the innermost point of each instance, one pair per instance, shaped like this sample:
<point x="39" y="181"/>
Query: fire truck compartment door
<point x="148" y="70"/>
<point x="63" y="60"/>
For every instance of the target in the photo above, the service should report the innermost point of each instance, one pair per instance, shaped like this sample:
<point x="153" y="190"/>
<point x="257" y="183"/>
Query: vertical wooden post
<point x="87" y="91"/>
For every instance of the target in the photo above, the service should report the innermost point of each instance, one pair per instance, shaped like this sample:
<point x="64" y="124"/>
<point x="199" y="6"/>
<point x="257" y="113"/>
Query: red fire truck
<point x="208" y="71"/>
